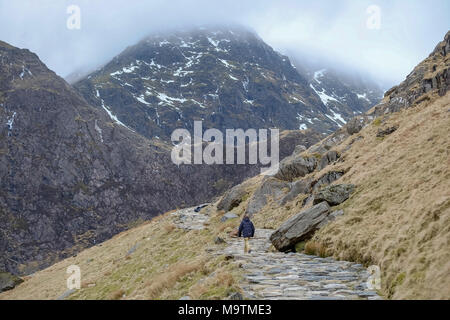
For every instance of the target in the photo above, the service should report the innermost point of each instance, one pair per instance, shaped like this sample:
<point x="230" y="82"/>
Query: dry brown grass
<point x="166" y="264"/>
<point x="225" y="279"/>
<point x="316" y="248"/>
<point x="167" y="279"/>
<point x="169" y="227"/>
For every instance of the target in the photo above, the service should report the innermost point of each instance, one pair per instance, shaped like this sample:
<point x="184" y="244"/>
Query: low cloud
<point x="333" y="30"/>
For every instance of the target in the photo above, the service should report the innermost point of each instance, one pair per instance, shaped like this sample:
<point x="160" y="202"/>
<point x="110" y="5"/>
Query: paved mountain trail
<point x="286" y="276"/>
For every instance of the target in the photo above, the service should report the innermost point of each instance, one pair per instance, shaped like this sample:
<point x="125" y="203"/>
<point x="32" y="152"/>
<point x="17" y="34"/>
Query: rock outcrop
<point x="431" y="76"/>
<point x="355" y="125"/>
<point x="385" y="132"/>
<point x="302" y="186"/>
<point x="271" y="187"/>
<point x="232" y="198"/>
<point x="327" y="179"/>
<point x="8" y="281"/>
<point x="335" y="194"/>
<point x="295" y="167"/>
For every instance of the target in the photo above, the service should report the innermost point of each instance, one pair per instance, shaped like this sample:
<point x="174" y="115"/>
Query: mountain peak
<point x="228" y="77"/>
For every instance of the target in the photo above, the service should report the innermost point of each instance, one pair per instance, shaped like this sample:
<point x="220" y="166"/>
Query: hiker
<point x="246" y="230"/>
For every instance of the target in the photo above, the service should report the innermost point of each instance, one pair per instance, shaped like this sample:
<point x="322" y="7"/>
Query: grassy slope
<point x="399" y="217"/>
<point x="168" y="263"/>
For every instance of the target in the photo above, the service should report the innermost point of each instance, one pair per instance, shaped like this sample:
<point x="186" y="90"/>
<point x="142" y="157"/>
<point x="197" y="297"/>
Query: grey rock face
<point x="8" y="281"/>
<point x="302" y="186"/>
<point x="331" y="217"/>
<point x="334" y="195"/>
<point x="431" y="75"/>
<point x="327" y="179"/>
<point x="295" y="167"/>
<point x="299" y="149"/>
<point x="270" y="188"/>
<point x="300" y="227"/>
<point x="232" y="198"/>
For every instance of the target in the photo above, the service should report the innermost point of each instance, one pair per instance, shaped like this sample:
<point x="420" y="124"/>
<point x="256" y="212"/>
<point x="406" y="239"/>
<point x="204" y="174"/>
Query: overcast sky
<point x="387" y="45"/>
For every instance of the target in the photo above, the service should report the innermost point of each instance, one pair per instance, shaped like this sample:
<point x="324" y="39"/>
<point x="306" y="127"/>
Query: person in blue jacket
<point x="246" y="230"/>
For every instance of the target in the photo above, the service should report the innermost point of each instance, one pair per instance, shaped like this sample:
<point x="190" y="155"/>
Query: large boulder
<point x="8" y="281"/>
<point x="295" y="167"/>
<point x="300" y="227"/>
<point x="232" y="198"/>
<point x="271" y="187"/>
<point x="335" y="194"/>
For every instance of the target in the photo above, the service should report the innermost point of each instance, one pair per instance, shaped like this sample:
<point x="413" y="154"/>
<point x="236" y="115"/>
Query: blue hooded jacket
<point x="246" y="229"/>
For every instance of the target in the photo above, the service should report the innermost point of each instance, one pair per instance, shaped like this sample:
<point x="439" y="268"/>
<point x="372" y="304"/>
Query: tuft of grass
<point x="168" y="228"/>
<point x="300" y="247"/>
<point x="117" y="295"/>
<point x="168" y="278"/>
<point x="315" y="248"/>
<point x="377" y="122"/>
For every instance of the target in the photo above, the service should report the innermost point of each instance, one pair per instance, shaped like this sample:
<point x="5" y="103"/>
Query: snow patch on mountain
<point x="319" y="74"/>
<point x="99" y="130"/>
<point x="363" y="96"/>
<point x="337" y="118"/>
<point x="10" y="121"/>
<point x="323" y="96"/>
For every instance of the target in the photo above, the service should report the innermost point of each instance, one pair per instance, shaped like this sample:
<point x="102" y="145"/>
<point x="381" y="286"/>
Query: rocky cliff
<point x="430" y="77"/>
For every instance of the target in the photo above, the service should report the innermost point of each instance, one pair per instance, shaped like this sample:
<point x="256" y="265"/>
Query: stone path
<point x="292" y="276"/>
<point x="188" y="219"/>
